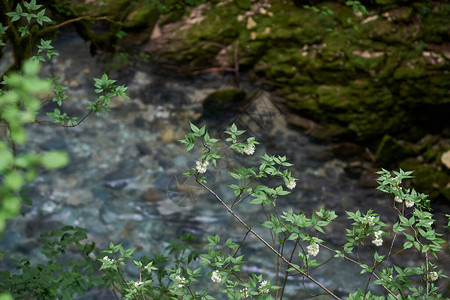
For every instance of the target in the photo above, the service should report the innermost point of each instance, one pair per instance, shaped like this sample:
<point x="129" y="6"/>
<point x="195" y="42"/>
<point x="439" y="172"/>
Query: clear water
<point x="124" y="182"/>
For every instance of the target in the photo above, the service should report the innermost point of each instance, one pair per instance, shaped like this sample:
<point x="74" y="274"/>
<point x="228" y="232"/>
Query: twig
<point x="265" y="242"/>
<point x="82" y="18"/>
<point x="63" y="125"/>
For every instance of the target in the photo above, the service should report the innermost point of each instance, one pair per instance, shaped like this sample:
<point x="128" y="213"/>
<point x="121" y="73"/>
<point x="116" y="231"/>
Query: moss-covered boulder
<point x="375" y="79"/>
<point x="391" y="152"/>
<point x="427" y="179"/>
<point x="228" y="101"/>
<point x="132" y="15"/>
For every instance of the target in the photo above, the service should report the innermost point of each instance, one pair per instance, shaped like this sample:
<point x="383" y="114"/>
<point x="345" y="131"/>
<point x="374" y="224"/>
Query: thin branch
<point x="265" y="242"/>
<point x="63" y="125"/>
<point x="83" y="18"/>
<point x="287" y="273"/>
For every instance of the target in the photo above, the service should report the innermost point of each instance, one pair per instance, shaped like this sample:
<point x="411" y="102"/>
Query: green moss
<point x="410" y="69"/>
<point x="115" y="9"/>
<point x="243" y="4"/>
<point x="366" y="64"/>
<point x="427" y="180"/>
<point x="371" y="81"/>
<point x="390" y="152"/>
<point x="435" y="27"/>
<point x="171" y="17"/>
<point x="251" y="52"/>
<point x="141" y="17"/>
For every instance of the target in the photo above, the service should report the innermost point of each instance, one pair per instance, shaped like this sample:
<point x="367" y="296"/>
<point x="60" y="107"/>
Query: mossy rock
<point x="115" y="9"/>
<point x="366" y="63"/>
<point x="391" y="152"/>
<point x="221" y="102"/>
<point x="435" y="26"/>
<point x="371" y="81"/>
<point x="243" y="4"/>
<point x="198" y="43"/>
<point x="411" y="69"/>
<point x="141" y="16"/>
<point x="171" y="17"/>
<point x="427" y="180"/>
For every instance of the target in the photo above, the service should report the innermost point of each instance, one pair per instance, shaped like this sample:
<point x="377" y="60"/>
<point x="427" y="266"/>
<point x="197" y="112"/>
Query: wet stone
<point x="55" y="143"/>
<point x="140" y="122"/>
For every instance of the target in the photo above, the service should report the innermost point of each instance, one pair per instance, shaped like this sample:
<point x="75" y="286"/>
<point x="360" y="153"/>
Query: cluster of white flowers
<point x="244" y="292"/>
<point x="263" y="287"/>
<point x="291" y="184"/>
<point x="215" y="277"/>
<point x="181" y="281"/>
<point x="433" y="276"/>
<point x="249" y="149"/>
<point x="313" y="249"/>
<point x="201" y="166"/>
<point x="409" y="203"/>
<point x="369" y="220"/>
<point x="138" y="283"/>
<point x="378" y="241"/>
<point x="111" y="260"/>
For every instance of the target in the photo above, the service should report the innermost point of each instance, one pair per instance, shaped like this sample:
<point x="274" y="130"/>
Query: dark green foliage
<point x="68" y="271"/>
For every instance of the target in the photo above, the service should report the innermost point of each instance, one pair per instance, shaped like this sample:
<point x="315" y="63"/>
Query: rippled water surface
<point x="124" y="181"/>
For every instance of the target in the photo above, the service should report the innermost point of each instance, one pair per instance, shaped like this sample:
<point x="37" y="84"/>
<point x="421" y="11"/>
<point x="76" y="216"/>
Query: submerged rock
<point x="229" y="101"/>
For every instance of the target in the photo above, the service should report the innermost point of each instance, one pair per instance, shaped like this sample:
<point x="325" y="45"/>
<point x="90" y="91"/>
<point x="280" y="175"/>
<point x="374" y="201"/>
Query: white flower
<point x="108" y="259"/>
<point x="181" y="281"/>
<point x="249" y="149"/>
<point x="244" y="292"/>
<point x="369" y="220"/>
<point x="313" y="249"/>
<point x="378" y="242"/>
<point x="398" y="199"/>
<point x="215" y="277"/>
<point x="137" y="284"/>
<point x="433" y="276"/>
<point x="263" y="287"/>
<point x="378" y="234"/>
<point x="397" y="180"/>
<point x="290" y="184"/>
<point x="409" y="203"/>
<point x="201" y="166"/>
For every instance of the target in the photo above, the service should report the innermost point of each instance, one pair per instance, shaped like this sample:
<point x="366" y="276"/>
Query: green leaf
<point x="231" y="245"/>
<point x="10" y="206"/>
<point x="54" y="160"/>
<point x="235" y="176"/>
<point x="4" y="296"/>
<point x="213" y="240"/>
<point x="13" y="181"/>
<point x="194" y="128"/>
<point x="407" y="245"/>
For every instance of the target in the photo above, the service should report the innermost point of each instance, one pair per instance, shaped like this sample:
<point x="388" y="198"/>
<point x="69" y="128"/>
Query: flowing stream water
<point x="124" y="181"/>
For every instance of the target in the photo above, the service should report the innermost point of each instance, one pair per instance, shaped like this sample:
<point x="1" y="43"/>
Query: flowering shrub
<point x="175" y="274"/>
<point x="413" y="231"/>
